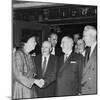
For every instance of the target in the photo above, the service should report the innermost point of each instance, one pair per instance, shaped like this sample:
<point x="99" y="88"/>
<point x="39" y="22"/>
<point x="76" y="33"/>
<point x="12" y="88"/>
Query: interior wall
<point x="19" y="27"/>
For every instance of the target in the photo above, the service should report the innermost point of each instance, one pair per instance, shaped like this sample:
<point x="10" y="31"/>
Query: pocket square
<point x="73" y="62"/>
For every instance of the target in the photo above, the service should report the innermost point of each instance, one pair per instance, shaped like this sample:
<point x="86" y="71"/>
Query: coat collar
<point x="48" y="65"/>
<point x="94" y="53"/>
<point x="67" y="61"/>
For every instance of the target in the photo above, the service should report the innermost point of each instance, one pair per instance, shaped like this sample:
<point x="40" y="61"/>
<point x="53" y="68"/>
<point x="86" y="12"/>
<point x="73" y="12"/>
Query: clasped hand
<point x="39" y="82"/>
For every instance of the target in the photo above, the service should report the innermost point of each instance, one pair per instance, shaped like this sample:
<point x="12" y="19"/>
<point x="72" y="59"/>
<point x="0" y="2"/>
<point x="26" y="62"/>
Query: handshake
<point x="39" y="82"/>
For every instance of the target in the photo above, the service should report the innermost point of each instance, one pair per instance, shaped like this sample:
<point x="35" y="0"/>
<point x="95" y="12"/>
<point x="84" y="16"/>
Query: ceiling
<point x="34" y="4"/>
<point x="53" y="13"/>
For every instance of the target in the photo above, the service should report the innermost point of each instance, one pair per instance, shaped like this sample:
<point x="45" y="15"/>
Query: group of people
<point x="56" y="71"/>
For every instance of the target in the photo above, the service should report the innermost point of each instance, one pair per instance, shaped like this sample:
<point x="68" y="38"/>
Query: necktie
<point x="88" y="49"/>
<point x="44" y="66"/>
<point x="65" y="58"/>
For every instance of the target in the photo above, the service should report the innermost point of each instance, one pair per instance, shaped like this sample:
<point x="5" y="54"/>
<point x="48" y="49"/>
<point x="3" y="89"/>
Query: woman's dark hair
<point x="24" y="40"/>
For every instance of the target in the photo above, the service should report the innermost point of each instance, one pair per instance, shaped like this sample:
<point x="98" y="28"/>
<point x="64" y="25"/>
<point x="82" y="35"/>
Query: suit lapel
<point x="94" y="52"/>
<point x="48" y="65"/>
<point x="90" y="60"/>
<point x="67" y="61"/>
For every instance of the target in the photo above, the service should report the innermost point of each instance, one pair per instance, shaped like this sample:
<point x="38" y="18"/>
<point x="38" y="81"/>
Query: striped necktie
<point x="65" y="57"/>
<point x="44" y="66"/>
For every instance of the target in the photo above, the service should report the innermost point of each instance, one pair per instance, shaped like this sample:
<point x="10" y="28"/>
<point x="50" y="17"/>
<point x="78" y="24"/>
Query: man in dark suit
<point x="69" y="74"/>
<point x="89" y="77"/>
<point x="56" y="50"/>
<point x="46" y="70"/>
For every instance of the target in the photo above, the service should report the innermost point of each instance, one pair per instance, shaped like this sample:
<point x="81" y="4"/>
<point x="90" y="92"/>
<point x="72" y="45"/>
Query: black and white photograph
<point x="54" y="50"/>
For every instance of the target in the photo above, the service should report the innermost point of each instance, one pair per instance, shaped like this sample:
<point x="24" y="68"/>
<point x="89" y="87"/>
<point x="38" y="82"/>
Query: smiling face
<point x="66" y="44"/>
<point x="30" y="44"/>
<point x="53" y="39"/>
<point x="89" y="36"/>
<point x="46" y="48"/>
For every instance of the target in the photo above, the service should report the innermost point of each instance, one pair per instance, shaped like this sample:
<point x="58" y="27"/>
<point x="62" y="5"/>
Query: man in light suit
<point x="46" y="70"/>
<point x="89" y="77"/>
<point x="69" y="73"/>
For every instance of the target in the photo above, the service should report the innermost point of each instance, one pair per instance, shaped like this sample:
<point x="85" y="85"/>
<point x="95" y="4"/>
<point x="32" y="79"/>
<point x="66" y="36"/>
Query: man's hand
<point x="42" y="82"/>
<point x="39" y="82"/>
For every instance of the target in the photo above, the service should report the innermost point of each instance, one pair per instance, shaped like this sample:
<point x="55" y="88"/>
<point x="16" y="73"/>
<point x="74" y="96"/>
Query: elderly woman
<point x="24" y="71"/>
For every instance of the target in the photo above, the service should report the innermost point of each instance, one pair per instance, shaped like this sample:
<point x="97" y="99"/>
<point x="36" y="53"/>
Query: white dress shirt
<point x="83" y="53"/>
<point x="47" y="59"/>
<point x="67" y="55"/>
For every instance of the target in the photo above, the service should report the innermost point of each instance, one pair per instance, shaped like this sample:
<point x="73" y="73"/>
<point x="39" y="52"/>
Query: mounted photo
<point x="54" y="49"/>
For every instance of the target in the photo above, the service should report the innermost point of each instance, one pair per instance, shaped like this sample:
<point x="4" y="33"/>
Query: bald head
<point x="89" y="35"/>
<point x="90" y="30"/>
<point x="46" y="43"/>
<point x="46" y="48"/>
<point x="66" y="38"/>
<point x="87" y="27"/>
<point x="53" y="34"/>
<point x="66" y="44"/>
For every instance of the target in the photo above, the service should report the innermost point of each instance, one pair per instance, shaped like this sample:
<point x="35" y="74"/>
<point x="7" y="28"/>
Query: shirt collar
<point x="47" y="56"/>
<point x="67" y="54"/>
<point x="83" y="53"/>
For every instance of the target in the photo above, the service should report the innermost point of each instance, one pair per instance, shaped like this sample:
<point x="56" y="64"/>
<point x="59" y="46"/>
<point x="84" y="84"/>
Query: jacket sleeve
<point x="52" y="76"/>
<point x="18" y="73"/>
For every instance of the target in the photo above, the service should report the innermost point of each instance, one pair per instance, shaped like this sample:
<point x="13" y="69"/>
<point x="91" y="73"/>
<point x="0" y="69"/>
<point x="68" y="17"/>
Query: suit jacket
<point x="89" y="80"/>
<point x="69" y="75"/>
<point x="58" y="51"/>
<point x="49" y="77"/>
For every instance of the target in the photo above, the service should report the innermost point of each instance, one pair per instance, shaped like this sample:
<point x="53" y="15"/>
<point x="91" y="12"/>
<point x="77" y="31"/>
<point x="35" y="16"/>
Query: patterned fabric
<point x="23" y="75"/>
